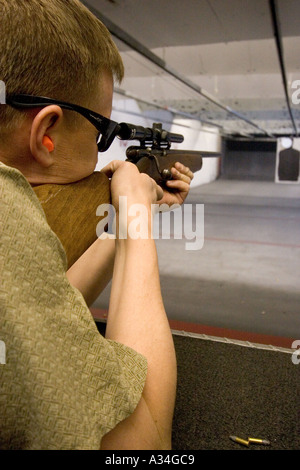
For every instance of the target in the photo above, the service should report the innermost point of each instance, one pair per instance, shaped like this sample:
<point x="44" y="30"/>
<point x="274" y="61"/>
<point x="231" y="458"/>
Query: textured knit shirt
<point x="62" y="384"/>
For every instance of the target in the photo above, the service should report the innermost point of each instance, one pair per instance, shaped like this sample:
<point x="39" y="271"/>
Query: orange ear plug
<point x="47" y="142"/>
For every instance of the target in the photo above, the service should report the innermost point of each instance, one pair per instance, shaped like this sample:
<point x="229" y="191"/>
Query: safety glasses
<point x="107" y="129"/>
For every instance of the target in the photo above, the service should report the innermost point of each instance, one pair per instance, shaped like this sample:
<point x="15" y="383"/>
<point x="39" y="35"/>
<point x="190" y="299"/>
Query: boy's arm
<point x="91" y="273"/>
<point x="137" y="319"/>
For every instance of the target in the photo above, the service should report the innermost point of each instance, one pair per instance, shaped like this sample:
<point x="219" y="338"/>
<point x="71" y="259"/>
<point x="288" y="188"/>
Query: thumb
<point x="111" y="167"/>
<point x="159" y="192"/>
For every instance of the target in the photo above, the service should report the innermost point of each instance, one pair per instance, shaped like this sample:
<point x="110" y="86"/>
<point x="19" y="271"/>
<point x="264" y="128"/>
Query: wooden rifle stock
<point x="70" y="209"/>
<point x="158" y="163"/>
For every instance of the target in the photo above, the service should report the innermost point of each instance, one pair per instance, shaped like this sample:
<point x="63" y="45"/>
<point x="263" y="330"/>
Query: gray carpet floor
<point x="226" y="389"/>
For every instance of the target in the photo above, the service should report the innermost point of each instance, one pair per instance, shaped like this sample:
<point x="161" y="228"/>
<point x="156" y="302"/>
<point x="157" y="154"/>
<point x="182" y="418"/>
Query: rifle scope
<point x="155" y="135"/>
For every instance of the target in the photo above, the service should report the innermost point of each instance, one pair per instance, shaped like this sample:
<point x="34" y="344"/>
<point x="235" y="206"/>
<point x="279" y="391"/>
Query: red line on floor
<point x="99" y="314"/>
<point x="246" y="216"/>
<point x="279" y="341"/>
<point x="251" y="242"/>
<point x="230" y="240"/>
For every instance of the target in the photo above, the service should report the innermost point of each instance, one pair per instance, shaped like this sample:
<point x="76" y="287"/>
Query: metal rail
<point x="128" y="94"/>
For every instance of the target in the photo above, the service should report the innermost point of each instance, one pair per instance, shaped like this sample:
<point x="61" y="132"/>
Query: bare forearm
<point x="137" y="319"/>
<point x="93" y="270"/>
<point x="135" y="293"/>
<point x="137" y="316"/>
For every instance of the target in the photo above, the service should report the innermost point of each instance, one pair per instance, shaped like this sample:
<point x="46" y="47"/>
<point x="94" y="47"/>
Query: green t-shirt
<point x="63" y="385"/>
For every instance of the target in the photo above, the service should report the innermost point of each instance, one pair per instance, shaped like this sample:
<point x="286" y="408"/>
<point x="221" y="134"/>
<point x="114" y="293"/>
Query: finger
<point x="179" y="185"/>
<point x="159" y="193"/>
<point x="158" y="189"/>
<point x="184" y="169"/>
<point x="180" y="176"/>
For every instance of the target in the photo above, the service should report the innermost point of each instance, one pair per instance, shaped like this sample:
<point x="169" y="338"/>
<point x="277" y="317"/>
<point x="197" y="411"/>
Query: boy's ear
<point x="42" y="134"/>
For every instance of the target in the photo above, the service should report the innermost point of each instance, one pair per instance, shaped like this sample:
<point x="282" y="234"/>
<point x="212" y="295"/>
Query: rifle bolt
<point x="166" y="174"/>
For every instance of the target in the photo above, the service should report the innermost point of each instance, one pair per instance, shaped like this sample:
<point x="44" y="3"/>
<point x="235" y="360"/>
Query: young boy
<point x="64" y="386"/>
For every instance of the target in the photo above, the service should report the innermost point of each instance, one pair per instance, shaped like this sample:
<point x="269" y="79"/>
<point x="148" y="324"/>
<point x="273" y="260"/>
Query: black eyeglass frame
<point x="107" y="128"/>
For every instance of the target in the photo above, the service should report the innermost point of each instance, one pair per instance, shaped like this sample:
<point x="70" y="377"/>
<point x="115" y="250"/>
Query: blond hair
<point x="53" y="48"/>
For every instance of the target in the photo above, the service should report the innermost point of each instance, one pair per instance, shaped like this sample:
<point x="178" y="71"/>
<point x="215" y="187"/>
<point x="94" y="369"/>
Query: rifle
<point x="154" y="155"/>
<point x="70" y="209"/>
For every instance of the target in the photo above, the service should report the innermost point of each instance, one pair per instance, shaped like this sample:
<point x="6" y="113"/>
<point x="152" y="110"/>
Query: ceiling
<point x="226" y="48"/>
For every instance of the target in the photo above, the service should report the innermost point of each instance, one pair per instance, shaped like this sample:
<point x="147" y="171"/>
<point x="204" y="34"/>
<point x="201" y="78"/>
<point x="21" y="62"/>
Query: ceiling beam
<point x="279" y="46"/>
<point x="138" y="47"/>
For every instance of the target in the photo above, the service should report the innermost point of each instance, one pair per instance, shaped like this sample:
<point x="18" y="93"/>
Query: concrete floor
<point x="247" y="275"/>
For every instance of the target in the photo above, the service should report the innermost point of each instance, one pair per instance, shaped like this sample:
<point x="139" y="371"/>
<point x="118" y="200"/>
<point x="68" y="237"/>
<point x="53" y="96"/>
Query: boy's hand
<point x="180" y="185"/>
<point x="126" y="180"/>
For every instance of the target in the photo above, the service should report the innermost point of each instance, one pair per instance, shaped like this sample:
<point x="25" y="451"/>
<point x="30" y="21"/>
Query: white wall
<point x="199" y="137"/>
<point x="196" y="137"/>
